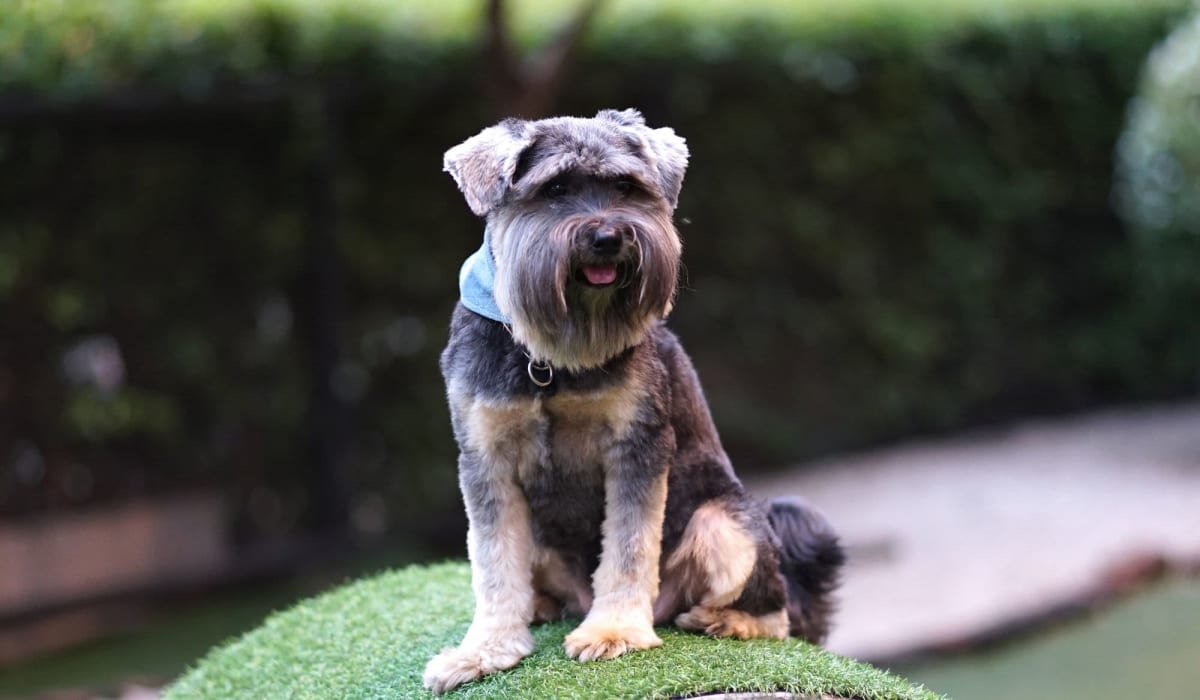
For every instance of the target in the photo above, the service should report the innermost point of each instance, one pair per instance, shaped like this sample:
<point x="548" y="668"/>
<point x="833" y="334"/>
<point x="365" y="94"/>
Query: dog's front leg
<point x="499" y="545"/>
<point x="625" y="583"/>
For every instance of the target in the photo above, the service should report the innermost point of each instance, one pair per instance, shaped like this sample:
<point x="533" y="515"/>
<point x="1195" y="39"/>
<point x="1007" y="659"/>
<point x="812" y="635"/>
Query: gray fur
<point x="536" y="240"/>
<point x="483" y="165"/>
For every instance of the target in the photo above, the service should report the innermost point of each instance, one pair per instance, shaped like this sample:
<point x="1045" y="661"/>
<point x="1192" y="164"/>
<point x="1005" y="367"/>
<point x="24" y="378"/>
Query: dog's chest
<point x="557" y="449"/>
<point x="570" y="432"/>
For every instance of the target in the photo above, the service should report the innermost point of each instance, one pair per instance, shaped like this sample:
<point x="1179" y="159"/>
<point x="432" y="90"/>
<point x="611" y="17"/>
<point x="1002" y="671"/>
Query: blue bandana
<point x="477" y="280"/>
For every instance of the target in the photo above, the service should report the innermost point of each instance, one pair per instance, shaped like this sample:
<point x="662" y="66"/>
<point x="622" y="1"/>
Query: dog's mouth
<point x="598" y="275"/>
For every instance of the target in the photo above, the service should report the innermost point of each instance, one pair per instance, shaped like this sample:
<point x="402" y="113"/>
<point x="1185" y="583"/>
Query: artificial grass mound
<point x="371" y="639"/>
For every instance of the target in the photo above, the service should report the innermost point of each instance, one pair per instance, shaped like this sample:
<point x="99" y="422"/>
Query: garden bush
<point x="1158" y="188"/>
<point x="897" y="219"/>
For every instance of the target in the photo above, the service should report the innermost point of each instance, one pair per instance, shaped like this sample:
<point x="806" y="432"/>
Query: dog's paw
<point x="455" y="666"/>
<point x="592" y="641"/>
<point x="701" y="619"/>
<point x="724" y="622"/>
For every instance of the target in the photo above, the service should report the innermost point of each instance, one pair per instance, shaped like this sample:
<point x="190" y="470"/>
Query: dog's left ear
<point x="484" y="164"/>
<point x="667" y="152"/>
<point x="624" y="117"/>
<point x="671" y="158"/>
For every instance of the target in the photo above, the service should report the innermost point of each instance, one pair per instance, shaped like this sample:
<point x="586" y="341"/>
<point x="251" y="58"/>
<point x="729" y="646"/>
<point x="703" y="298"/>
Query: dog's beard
<point x="564" y="321"/>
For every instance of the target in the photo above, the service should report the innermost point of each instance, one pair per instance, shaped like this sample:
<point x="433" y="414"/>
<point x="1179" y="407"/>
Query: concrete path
<point x="951" y="537"/>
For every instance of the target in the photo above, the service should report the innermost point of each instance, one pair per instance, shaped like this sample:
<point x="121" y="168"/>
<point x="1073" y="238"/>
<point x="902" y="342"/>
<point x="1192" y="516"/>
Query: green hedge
<point x="896" y="220"/>
<point x="1158" y="188"/>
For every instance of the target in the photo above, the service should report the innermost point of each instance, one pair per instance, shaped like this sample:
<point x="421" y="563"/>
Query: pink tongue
<point x="600" y="274"/>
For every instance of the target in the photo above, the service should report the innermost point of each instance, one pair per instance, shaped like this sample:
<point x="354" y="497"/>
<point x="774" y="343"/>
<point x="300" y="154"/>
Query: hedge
<point x="897" y="219"/>
<point x="1158" y="189"/>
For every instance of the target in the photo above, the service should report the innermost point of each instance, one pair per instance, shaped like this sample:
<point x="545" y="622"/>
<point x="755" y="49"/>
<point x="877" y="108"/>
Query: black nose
<point x="606" y="240"/>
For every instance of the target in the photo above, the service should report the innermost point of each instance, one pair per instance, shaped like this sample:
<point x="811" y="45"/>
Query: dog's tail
<point x="810" y="559"/>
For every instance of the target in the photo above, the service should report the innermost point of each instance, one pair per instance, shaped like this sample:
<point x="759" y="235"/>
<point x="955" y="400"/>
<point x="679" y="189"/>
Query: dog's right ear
<point x="484" y="164"/>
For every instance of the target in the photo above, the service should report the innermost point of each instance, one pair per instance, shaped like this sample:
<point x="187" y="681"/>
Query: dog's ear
<point x="670" y="159"/>
<point x="666" y="151"/>
<point x="484" y="164"/>
<point x="624" y="117"/>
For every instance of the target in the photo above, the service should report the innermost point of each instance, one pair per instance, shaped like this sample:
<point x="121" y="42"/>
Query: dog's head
<point x="579" y="217"/>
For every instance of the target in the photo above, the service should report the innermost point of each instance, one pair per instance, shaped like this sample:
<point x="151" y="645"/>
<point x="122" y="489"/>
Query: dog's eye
<point x="554" y="189"/>
<point x="625" y="186"/>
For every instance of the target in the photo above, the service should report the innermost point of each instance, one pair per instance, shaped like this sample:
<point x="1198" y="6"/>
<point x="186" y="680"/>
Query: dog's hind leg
<point x="727" y="569"/>
<point x="559" y="590"/>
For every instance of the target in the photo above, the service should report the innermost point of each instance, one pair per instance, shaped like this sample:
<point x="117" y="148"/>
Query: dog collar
<point x="477" y="281"/>
<point x="540" y="372"/>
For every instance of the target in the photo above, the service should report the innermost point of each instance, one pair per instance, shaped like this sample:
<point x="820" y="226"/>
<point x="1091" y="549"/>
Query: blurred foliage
<point x="1158" y="185"/>
<point x="897" y="220"/>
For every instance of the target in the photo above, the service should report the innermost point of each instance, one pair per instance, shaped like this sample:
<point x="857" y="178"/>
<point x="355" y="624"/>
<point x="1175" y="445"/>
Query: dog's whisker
<point x="626" y="278"/>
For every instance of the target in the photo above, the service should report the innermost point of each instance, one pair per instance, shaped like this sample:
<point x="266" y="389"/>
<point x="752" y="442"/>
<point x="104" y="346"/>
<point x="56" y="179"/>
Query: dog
<point x="594" y="481"/>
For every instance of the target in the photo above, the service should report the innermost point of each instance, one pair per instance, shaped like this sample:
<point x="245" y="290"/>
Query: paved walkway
<point x="950" y="537"/>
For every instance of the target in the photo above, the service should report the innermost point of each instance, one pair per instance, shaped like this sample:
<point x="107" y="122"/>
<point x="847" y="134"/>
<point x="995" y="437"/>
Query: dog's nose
<point x="606" y="240"/>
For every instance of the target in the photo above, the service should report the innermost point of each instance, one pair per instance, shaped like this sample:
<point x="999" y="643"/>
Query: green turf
<point x="371" y="639"/>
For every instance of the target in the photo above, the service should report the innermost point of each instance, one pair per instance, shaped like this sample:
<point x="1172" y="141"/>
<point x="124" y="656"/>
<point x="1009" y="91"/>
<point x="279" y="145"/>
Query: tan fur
<point x="552" y="576"/>
<point x="465" y="663"/>
<point x="498" y="637"/>
<point x="727" y="622"/>
<point x="502" y="561"/>
<point x="575" y="431"/>
<point x="592" y="422"/>
<point x="609" y="638"/>
<point x="568" y="430"/>
<point x="506" y="434"/>
<point x="501" y="554"/>
<point x="714" y="558"/>
<point x="546" y="608"/>
<point x="571" y="431"/>
<point x="621" y="618"/>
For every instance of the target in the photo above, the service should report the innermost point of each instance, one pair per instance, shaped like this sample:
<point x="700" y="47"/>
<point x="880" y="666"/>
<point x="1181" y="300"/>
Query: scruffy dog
<point x="594" y="481"/>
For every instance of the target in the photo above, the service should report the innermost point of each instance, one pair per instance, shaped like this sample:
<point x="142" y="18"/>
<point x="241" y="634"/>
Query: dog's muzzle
<point x="606" y="246"/>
